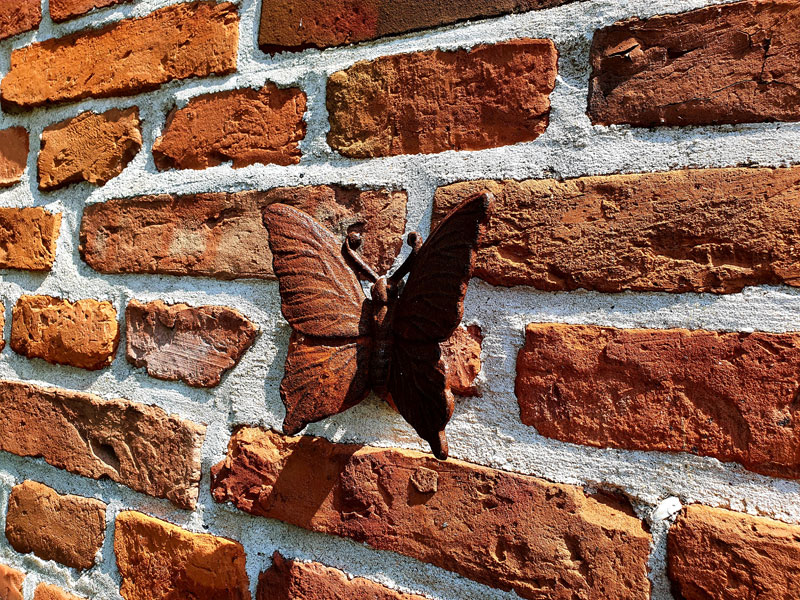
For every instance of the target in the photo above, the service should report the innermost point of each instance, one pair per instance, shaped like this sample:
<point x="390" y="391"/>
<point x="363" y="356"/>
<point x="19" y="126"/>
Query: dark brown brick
<point x="732" y="396"/>
<point x="221" y="235"/>
<point x="133" y="444"/>
<point x="505" y="530"/>
<point x="730" y="63"/>
<point x="428" y="102"/>
<point x="13" y="155"/>
<point x="704" y="230"/>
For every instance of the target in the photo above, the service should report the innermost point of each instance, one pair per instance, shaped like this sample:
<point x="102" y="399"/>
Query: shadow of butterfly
<point x="344" y="344"/>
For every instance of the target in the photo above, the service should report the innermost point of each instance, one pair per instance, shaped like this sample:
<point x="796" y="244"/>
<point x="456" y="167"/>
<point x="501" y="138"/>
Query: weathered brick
<point x="180" y="342"/>
<point x="509" y="531"/>
<point x="10" y="583"/>
<point x="427" y="102"/>
<point x="68" y="529"/>
<point x="704" y="230"/>
<point x="158" y="560"/>
<point x="90" y="147"/>
<point x="242" y="126"/>
<point x="221" y="235"/>
<point x="314" y="581"/>
<point x="63" y="10"/>
<point x="732" y="63"/>
<point x="716" y="554"/>
<point x="136" y="445"/>
<point x="28" y="238"/>
<point x="19" y="16"/>
<point x="13" y="155"/>
<point x="2" y="326"/>
<point x="82" y="334"/>
<point x="461" y="353"/>
<point x="45" y="591"/>
<point x="130" y="57"/>
<point x="298" y="24"/>
<point x="727" y="395"/>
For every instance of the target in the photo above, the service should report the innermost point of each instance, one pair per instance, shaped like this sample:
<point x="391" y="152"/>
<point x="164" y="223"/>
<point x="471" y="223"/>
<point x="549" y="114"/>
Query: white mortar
<point x="486" y="430"/>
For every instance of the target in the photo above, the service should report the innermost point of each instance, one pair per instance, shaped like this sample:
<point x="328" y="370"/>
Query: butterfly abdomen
<point x="384" y="299"/>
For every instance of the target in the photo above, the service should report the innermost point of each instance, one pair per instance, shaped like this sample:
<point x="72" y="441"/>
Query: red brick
<point x="312" y="581"/>
<point x="221" y="235"/>
<point x="68" y="529"/>
<point x="82" y="334"/>
<point x="298" y="24"/>
<point x="509" y="531"/>
<point x="2" y="326"/>
<point x="732" y="63"/>
<point x="180" y="342"/>
<point x="136" y="445"/>
<point x="19" y="16"/>
<point x="241" y="126"/>
<point x="10" y="583"/>
<point x="28" y="238"/>
<point x="158" y="560"/>
<point x="428" y="102"/>
<point x="461" y="353"/>
<point x="89" y="147"/>
<point x="45" y="591"/>
<point x="63" y="10"/>
<point x="130" y="57"/>
<point x="704" y="230"/>
<point x="716" y="554"/>
<point x="727" y="395"/>
<point x="13" y="155"/>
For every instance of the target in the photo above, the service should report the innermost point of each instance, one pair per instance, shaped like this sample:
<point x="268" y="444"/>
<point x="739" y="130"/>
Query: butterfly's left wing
<point x="430" y="308"/>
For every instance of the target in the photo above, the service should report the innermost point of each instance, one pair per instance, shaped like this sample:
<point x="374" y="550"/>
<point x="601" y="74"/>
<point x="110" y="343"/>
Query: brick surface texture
<point x="82" y="334"/>
<point x="68" y="529"/>
<point x="703" y="230"/>
<point x="90" y="147"/>
<point x="11" y="583"/>
<point x="157" y="559"/>
<point x="429" y="102"/>
<point x="181" y="342"/>
<point x="63" y="10"/>
<point x="133" y="56"/>
<point x="45" y="591"/>
<point x="298" y="24"/>
<point x="13" y="155"/>
<point x="509" y="531"/>
<point x="313" y="581"/>
<point x="221" y="235"/>
<point x="716" y="554"/>
<point x="28" y="238"/>
<point x="732" y="396"/>
<point x="136" y="445"/>
<point x="733" y="63"/>
<point x="462" y="354"/>
<point x="19" y="16"/>
<point x="244" y="127"/>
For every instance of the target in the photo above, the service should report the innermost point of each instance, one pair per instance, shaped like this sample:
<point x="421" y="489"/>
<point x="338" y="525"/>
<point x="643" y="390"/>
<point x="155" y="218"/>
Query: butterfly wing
<point x="418" y="388"/>
<point x="327" y="366"/>
<point x="320" y="295"/>
<point x="323" y="378"/>
<point x="432" y="302"/>
<point x="430" y="308"/>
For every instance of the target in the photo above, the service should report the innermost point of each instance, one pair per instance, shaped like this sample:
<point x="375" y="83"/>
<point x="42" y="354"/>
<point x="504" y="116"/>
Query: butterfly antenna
<point x="415" y="241"/>
<point x="351" y="244"/>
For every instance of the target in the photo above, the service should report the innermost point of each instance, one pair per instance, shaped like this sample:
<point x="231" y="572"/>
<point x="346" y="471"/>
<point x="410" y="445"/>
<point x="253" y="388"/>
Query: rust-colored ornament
<point x="344" y="344"/>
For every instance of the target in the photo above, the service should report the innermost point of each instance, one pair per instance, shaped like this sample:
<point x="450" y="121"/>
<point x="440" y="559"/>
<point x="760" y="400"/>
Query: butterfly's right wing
<point x="323" y="378"/>
<point x="320" y="295"/>
<point x="327" y="366"/>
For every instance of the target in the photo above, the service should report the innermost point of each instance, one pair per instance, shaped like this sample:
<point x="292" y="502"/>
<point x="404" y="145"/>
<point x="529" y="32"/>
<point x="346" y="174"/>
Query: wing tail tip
<point x="438" y="444"/>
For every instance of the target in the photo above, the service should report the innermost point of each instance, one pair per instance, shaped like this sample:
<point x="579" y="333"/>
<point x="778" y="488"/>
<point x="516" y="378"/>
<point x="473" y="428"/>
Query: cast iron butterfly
<point x="343" y="344"/>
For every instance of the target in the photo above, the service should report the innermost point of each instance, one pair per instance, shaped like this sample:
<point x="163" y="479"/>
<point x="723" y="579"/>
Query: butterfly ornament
<point x="344" y="345"/>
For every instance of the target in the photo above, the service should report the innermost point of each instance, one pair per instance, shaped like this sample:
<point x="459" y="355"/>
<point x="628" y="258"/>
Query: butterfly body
<point x="345" y="345"/>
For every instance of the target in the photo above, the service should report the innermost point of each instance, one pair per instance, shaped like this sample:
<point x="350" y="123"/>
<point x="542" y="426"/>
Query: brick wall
<point x="629" y="364"/>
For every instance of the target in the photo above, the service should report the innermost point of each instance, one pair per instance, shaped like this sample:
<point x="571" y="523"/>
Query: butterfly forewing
<point x="432" y="303"/>
<point x="323" y="378"/>
<point x="320" y="295"/>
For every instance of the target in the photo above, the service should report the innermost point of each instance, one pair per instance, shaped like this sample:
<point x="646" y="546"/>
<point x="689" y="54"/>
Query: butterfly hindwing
<point x="323" y="378"/>
<point x="431" y="304"/>
<point x="320" y="295"/>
